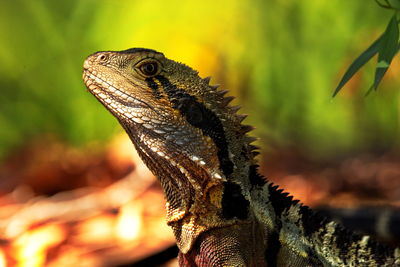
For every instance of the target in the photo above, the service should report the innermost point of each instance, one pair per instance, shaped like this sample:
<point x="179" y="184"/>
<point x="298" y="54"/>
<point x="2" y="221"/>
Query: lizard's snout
<point x="96" y="58"/>
<point x="87" y="63"/>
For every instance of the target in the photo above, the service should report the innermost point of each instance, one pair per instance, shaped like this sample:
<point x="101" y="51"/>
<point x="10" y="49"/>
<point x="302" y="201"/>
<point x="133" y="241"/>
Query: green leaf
<point x="395" y="3"/>
<point x="387" y="50"/>
<point x="382" y="64"/>
<point x="358" y="63"/>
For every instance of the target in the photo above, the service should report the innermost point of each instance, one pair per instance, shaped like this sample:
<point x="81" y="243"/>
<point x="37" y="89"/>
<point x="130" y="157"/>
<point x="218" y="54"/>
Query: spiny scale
<point x="221" y="210"/>
<point x="227" y="100"/>
<point x="221" y="92"/>
<point x="246" y="128"/>
<point x="207" y="80"/>
<point x="236" y="109"/>
<point x="214" y="87"/>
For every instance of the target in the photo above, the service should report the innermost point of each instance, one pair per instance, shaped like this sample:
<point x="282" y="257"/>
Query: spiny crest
<point x="244" y="129"/>
<point x="281" y="200"/>
<point x="225" y="101"/>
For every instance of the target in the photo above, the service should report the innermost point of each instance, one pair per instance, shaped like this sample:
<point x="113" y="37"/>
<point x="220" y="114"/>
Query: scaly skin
<point x="222" y="212"/>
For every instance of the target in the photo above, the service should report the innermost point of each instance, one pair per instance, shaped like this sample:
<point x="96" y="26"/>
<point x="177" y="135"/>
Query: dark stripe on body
<point x="313" y="259"/>
<point x="234" y="204"/>
<point x="343" y="241"/>
<point x="200" y="117"/>
<point x="280" y="201"/>
<point x="154" y="86"/>
<point x="272" y="249"/>
<point x="256" y="179"/>
<point x="312" y="221"/>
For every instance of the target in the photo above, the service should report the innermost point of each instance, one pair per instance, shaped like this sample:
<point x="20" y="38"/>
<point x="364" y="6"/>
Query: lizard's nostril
<point x="86" y="64"/>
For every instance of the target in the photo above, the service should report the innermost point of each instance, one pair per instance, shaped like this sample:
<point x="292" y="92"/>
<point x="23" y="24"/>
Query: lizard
<point x="221" y="210"/>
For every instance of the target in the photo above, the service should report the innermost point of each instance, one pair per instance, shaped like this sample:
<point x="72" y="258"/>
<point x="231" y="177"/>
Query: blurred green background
<point x="282" y="59"/>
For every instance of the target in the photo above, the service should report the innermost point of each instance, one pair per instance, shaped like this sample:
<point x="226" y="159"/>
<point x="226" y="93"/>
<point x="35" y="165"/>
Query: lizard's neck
<point x="202" y="191"/>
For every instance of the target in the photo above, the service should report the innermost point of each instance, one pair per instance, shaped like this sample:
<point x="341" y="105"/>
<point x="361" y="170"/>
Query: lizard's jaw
<point x="116" y="101"/>
<point x="103" y="91"/>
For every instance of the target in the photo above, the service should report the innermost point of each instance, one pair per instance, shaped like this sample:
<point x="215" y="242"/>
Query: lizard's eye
<point x="102" y="57"/>
<point x="149" y="68"/>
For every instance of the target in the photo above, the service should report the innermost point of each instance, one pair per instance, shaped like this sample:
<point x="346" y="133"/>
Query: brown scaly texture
<point x="222" y="212"/>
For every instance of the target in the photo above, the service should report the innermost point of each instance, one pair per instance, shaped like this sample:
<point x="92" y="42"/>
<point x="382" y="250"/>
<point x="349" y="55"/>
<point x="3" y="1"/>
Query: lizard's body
<point x="222" y="212"/>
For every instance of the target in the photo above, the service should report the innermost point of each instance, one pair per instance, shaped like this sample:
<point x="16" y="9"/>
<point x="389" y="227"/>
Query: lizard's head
<point x="180" y="125"/>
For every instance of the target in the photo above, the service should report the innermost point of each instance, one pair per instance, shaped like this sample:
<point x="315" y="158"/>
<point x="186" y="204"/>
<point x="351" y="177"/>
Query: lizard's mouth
<point x="108" y="93"/>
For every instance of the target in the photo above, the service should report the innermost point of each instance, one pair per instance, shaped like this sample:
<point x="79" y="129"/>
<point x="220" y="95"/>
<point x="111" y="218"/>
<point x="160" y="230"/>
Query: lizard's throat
<point x="184" y="182"/>
<point x="191" y="197"/>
